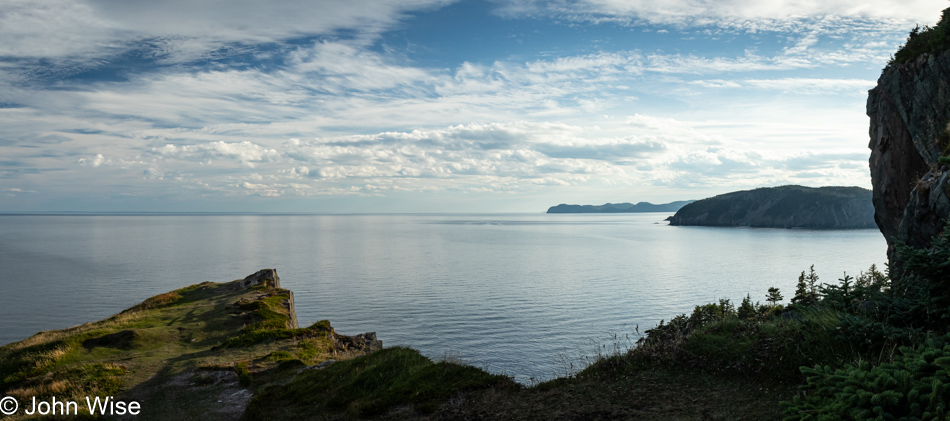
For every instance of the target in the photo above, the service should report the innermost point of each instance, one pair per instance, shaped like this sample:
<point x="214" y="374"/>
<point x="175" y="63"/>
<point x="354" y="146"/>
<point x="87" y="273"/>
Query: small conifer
<point x="774" y="296"/>
<point x="746" y="309"/>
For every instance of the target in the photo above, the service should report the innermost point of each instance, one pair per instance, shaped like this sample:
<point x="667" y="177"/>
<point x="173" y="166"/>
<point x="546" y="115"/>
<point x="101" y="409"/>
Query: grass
<point x="184" y="354"/>
<point x="206" y="351"/>
<point x="150" y="350"/>
<point x="372" y="385"/>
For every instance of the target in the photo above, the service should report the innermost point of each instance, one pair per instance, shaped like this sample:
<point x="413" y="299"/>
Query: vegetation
<point x="372" y="384"/>
<point x="619" y="207"/>
<point x="783" y="207"/>
<point x="925" y="40"/>
<point x="915" y="386"/>
<point x="869" y="347"/>
<point x="176" y="352"/>
<point x="865" y="347"/>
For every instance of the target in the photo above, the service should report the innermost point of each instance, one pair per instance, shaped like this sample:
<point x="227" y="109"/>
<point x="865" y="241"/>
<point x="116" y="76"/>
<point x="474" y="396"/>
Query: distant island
<point x="783" y="207"/>
<point x="620" y="207"/>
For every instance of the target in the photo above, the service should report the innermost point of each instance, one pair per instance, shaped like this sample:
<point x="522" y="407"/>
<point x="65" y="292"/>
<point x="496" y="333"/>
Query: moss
<point x="243" y="373"/>
<point x="278" y="356"/>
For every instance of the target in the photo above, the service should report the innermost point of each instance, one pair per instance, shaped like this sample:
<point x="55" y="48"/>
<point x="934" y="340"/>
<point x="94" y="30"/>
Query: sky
<point x="362" y="106"/>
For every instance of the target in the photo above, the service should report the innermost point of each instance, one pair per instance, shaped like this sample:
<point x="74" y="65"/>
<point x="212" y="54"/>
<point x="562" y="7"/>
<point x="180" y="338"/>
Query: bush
<point x="925" y="40"/>
<point x="919" y="298"/>
<point x="916" y="386"/>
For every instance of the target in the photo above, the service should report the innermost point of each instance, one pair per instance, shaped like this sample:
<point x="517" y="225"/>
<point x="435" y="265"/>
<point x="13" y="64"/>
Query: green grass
<point x="372" y="384"/>
<point x="139" y="351"/>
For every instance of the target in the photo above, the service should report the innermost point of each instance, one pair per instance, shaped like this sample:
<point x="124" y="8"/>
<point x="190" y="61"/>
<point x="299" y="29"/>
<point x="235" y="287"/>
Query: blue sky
<point x="432" y="106"/>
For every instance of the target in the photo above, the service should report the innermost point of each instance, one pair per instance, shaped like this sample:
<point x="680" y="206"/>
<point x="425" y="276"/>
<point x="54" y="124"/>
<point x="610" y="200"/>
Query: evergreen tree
<point x="774" y="296"/>
<point x="812" y="281"/>
<point x="746" y="309"/>
<point x="806" y="290"/>
<point x="801" y="291"/>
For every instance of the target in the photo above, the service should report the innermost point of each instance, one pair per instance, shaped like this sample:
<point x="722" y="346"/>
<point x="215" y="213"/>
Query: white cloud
<point x="719" y="12"/>
<point x="181" y="30"/>
<point x="337" y="68"/>
<point x="795" y="85"/>
<point x="345" y="116"/>
<point x="243" y="152"/>
<point x="95" y="161"/>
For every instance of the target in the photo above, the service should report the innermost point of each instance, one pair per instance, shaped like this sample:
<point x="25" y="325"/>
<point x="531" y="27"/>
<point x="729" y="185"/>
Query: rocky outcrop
<point x="199" y="352"/>
<point x="909" y="113"/>
<point x="268" y="277"/>
<point x="364" y="342"/>
<point x="783" y="207"/>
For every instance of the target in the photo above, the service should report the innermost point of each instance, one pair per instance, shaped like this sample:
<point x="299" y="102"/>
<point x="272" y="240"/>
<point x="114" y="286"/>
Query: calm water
<point x="522" y="294"/>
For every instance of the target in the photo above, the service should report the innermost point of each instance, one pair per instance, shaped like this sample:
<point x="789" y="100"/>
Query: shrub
<point x="925" y="40"/>
<point x="746" y="309"/>
<point x="919" y="298"/>
<point x="916" y="386"/>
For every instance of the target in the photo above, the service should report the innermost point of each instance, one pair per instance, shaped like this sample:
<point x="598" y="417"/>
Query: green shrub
<point x="746" y="310"/>
<point x="915" y="386"/>
<point x="925" y="40"/>
<point x="919" y="298"/>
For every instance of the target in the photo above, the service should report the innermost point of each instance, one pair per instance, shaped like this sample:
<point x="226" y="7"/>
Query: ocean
<point x="529" y="295"/>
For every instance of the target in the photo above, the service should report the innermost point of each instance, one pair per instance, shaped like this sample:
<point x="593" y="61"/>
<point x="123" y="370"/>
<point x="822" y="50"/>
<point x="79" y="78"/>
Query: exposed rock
<point x="289" y="303"/>
<point x="264" y="276"/>
<point x="320" y="366"/>
<point x="193" y="353"/>
<point x="783" y="207"/>
<point x="909" y="132"/>
<point x="365" y="342"/>
<point x="269" y="277"/>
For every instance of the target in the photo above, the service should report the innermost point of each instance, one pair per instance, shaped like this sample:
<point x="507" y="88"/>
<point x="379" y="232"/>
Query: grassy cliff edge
<point x="224" y="351"/>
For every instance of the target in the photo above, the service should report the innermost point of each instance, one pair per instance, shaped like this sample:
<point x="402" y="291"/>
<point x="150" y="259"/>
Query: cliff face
<point x="783" y="207"/>
<point x="909" y="132"/>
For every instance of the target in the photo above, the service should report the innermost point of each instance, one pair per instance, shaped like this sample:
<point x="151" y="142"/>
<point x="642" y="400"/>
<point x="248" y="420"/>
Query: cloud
<point x="718" y="12"/>
<point x="244" y="152"/>
<point x="181" y="30"/>
<point x="620" y="151"/>
<point x="94" y="162"/>
<point x="341" y="68"/>
<point x="793" y="85"/>
<point x="188" y="96"/>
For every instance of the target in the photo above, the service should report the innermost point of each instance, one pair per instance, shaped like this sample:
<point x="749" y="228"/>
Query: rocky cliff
<point x="269" y="278"/>
<point x="783" y="207"/>
<point x="199" y="352"/>
<point x="909" y="113"/>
